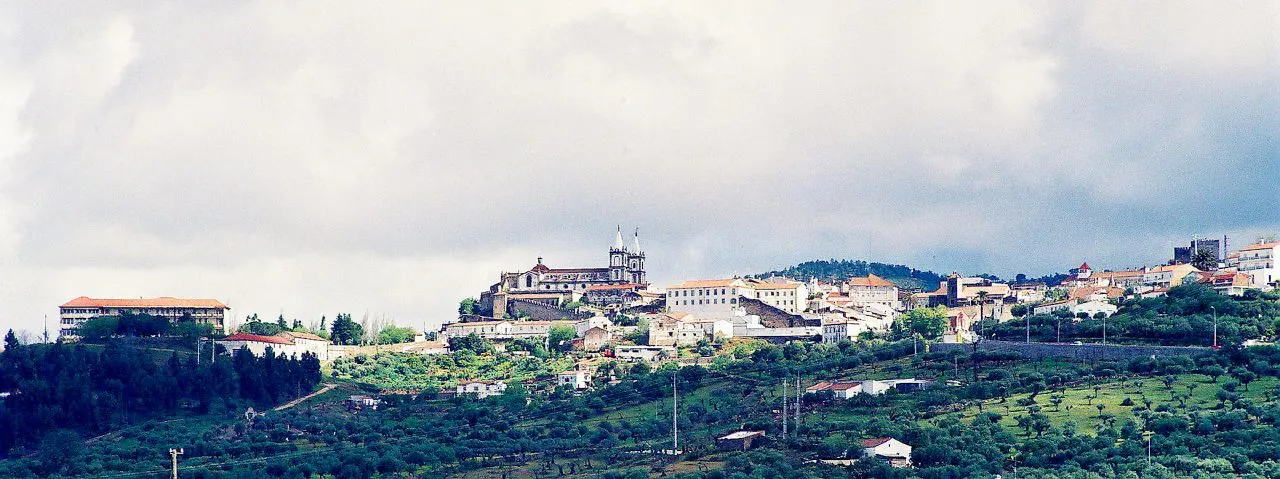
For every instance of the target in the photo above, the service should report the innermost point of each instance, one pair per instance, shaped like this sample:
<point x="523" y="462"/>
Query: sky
<point x="314" y="157"/>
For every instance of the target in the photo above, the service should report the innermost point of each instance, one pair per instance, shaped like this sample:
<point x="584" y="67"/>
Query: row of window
<point x="696" y="302"/>
<point x="699" y="292"/>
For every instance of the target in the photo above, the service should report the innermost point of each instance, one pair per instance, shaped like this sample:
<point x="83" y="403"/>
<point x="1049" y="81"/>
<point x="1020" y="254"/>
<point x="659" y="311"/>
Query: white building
<point x="714" y="298"/>
<point x="482" y="389"/>
<point x="895" y="452"/>
<point x="789" y="296"/>
<point x="289" y="343"/>
<point x="308" y="343"/>
<point x="716" y="329"/>
<point x="1167" y="276"/>
<point x="872" y="290"/>
<point x="75" y="312"/>
<point x="836" y="330"/>
<point x="503" y="330"/>
<point x="1259" y="262"/>
<point x="874" y="387"/>
<point x="644" y="353"/>
<point x="592" y="322"/>
<point x="578" y="379"/>
<point x="1050" y="307"/>
<point x="1092" y="308"/>
<point x="673" y="330"/>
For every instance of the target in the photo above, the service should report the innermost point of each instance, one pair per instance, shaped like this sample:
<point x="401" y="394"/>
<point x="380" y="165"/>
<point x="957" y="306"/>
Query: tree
<point x="281" y="323"/>
<point x="11" y="341"/>
<point x="467" y="306"/>
<point x="560" y="337"/>
<point x="1019" y="310"/>
<point x="927" y="322"/>
<point x="982" y="313"/>
<point x="346" y="331"/>
<point x="60" y="450"/>
<point x="99" y="328"/>
<point x="1205" y="260"/>
<point x="396" y="334"/>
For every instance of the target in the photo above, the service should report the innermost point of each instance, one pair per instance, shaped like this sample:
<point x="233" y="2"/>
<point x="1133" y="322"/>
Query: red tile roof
<point x="258" y="339"/>
<point x="1261" y="246"/>
<point x="162" y="302"/>
<point x="875" y="441"/>
<point x="870" y="280"/>
<point x="1084" y="266"/>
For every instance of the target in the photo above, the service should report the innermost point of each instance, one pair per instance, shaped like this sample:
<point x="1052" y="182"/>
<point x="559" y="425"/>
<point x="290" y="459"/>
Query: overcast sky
<point x="313" y="157"/>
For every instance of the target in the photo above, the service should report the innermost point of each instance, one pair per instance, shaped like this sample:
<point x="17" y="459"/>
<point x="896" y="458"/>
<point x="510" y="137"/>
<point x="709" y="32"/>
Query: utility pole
<point x="1028" y="328"/>
<point x="675" y="422"/>
<point x="1215" y="326"/>
<point x="799" y="395"/>
<point x="784" y="408"/>
<point x="1104" y="330"/>
<point x="174" y="453"/>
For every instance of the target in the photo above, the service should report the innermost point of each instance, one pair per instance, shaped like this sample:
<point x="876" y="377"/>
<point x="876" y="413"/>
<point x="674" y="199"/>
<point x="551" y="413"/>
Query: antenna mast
<point x="675" y="422"/>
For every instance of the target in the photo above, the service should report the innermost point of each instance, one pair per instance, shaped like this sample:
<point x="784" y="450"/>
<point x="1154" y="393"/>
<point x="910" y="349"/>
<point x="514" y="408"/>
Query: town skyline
<point x="338" y="158"/>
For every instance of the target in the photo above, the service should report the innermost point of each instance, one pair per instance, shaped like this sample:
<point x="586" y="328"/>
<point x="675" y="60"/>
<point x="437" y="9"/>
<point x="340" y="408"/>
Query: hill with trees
<point x="843" y="269"/>
<point x="1211" y="416"/>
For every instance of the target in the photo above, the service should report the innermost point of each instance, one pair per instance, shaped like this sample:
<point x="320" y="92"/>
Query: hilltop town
<point x="825" y="367"/>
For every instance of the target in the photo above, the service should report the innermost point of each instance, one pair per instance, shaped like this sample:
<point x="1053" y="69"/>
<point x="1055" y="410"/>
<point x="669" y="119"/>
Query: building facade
<point x="75" y="312"/>
<point x="1259" y="262"/>
<point x="626" y="266"/>
<point x="872" y="290"/>
<point x="715" y="298"/>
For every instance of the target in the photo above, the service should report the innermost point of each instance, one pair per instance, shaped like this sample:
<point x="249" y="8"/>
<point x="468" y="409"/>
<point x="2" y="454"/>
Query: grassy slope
<point x="1078" y="408"/>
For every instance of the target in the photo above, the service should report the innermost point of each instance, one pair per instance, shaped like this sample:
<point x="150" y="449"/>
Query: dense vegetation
<point x="78" y="390"/>
<point x="1183" y="316"/>
<point x="840" y="270"/>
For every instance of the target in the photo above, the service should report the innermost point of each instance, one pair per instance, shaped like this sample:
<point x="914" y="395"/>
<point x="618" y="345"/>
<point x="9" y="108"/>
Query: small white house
<point x="578" y="379"/>
<point x="482" y="389"/>
<point x="593" y="322"/>
<point x="895" y="452"/>
<point x="644" y="353"/>
<point x="1092" y="308"/>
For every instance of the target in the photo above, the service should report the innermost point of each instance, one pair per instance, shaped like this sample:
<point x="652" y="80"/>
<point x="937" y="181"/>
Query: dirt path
<point x="295" y="402"/>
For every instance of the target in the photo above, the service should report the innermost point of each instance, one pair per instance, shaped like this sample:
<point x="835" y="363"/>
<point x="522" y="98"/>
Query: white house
<point x="1047" y="308"/>
<point x="836" y="330"/>
<point x="789" y="296"/>
<point x="1167" y="276"/>
<point x="715" y="328"/>
<point x="308" y="343"/>
<point x="714" y="298"/>
<point x="673" y="330"/>
<point x="577" y="379"/>
<point x="289" y="343"/>
<point x="592" y="322"/>
<point x="1259" y="262"/>
<point x="482" y="389"/>
<point x="872" y="290"/>
<point x="897" y="453"/>
<point x="644" y="353"/>
<point x="849" y="389"/>
<point x="1092" y="308"/>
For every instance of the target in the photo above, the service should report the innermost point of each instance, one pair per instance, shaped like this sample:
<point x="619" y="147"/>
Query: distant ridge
<point x="839" y="270"/>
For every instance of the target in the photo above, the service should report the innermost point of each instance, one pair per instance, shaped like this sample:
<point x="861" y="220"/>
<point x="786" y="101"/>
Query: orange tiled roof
<point x="258" y="339"/>
<point x="777" y="286"/>
<point x="1261" y="246"/>
<point x="876" y="441"/>
<point x="705" y="283"/>
<point x="870" y="280"/>
<point x="162" y="302"/>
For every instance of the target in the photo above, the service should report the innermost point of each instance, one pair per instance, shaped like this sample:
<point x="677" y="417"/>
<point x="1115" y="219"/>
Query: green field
<point x="1190" y="392"/>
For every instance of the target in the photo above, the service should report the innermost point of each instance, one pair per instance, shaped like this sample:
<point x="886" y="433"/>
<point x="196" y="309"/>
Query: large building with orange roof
<point x="75" y="312"/>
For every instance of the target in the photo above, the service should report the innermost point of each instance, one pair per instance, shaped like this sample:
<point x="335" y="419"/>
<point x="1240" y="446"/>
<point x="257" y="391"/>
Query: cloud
<point x="319" y="158"/>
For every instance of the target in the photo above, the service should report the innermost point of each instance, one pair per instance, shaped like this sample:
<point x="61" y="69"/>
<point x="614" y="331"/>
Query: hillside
<point x="1199" y="408"/>
<point x="840" y="270"/>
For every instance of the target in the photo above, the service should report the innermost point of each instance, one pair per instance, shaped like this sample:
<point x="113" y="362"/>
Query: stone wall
<point x="770" y="316"/>
<point x="1084" y="352"/>
<point x="542" y="312"/>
